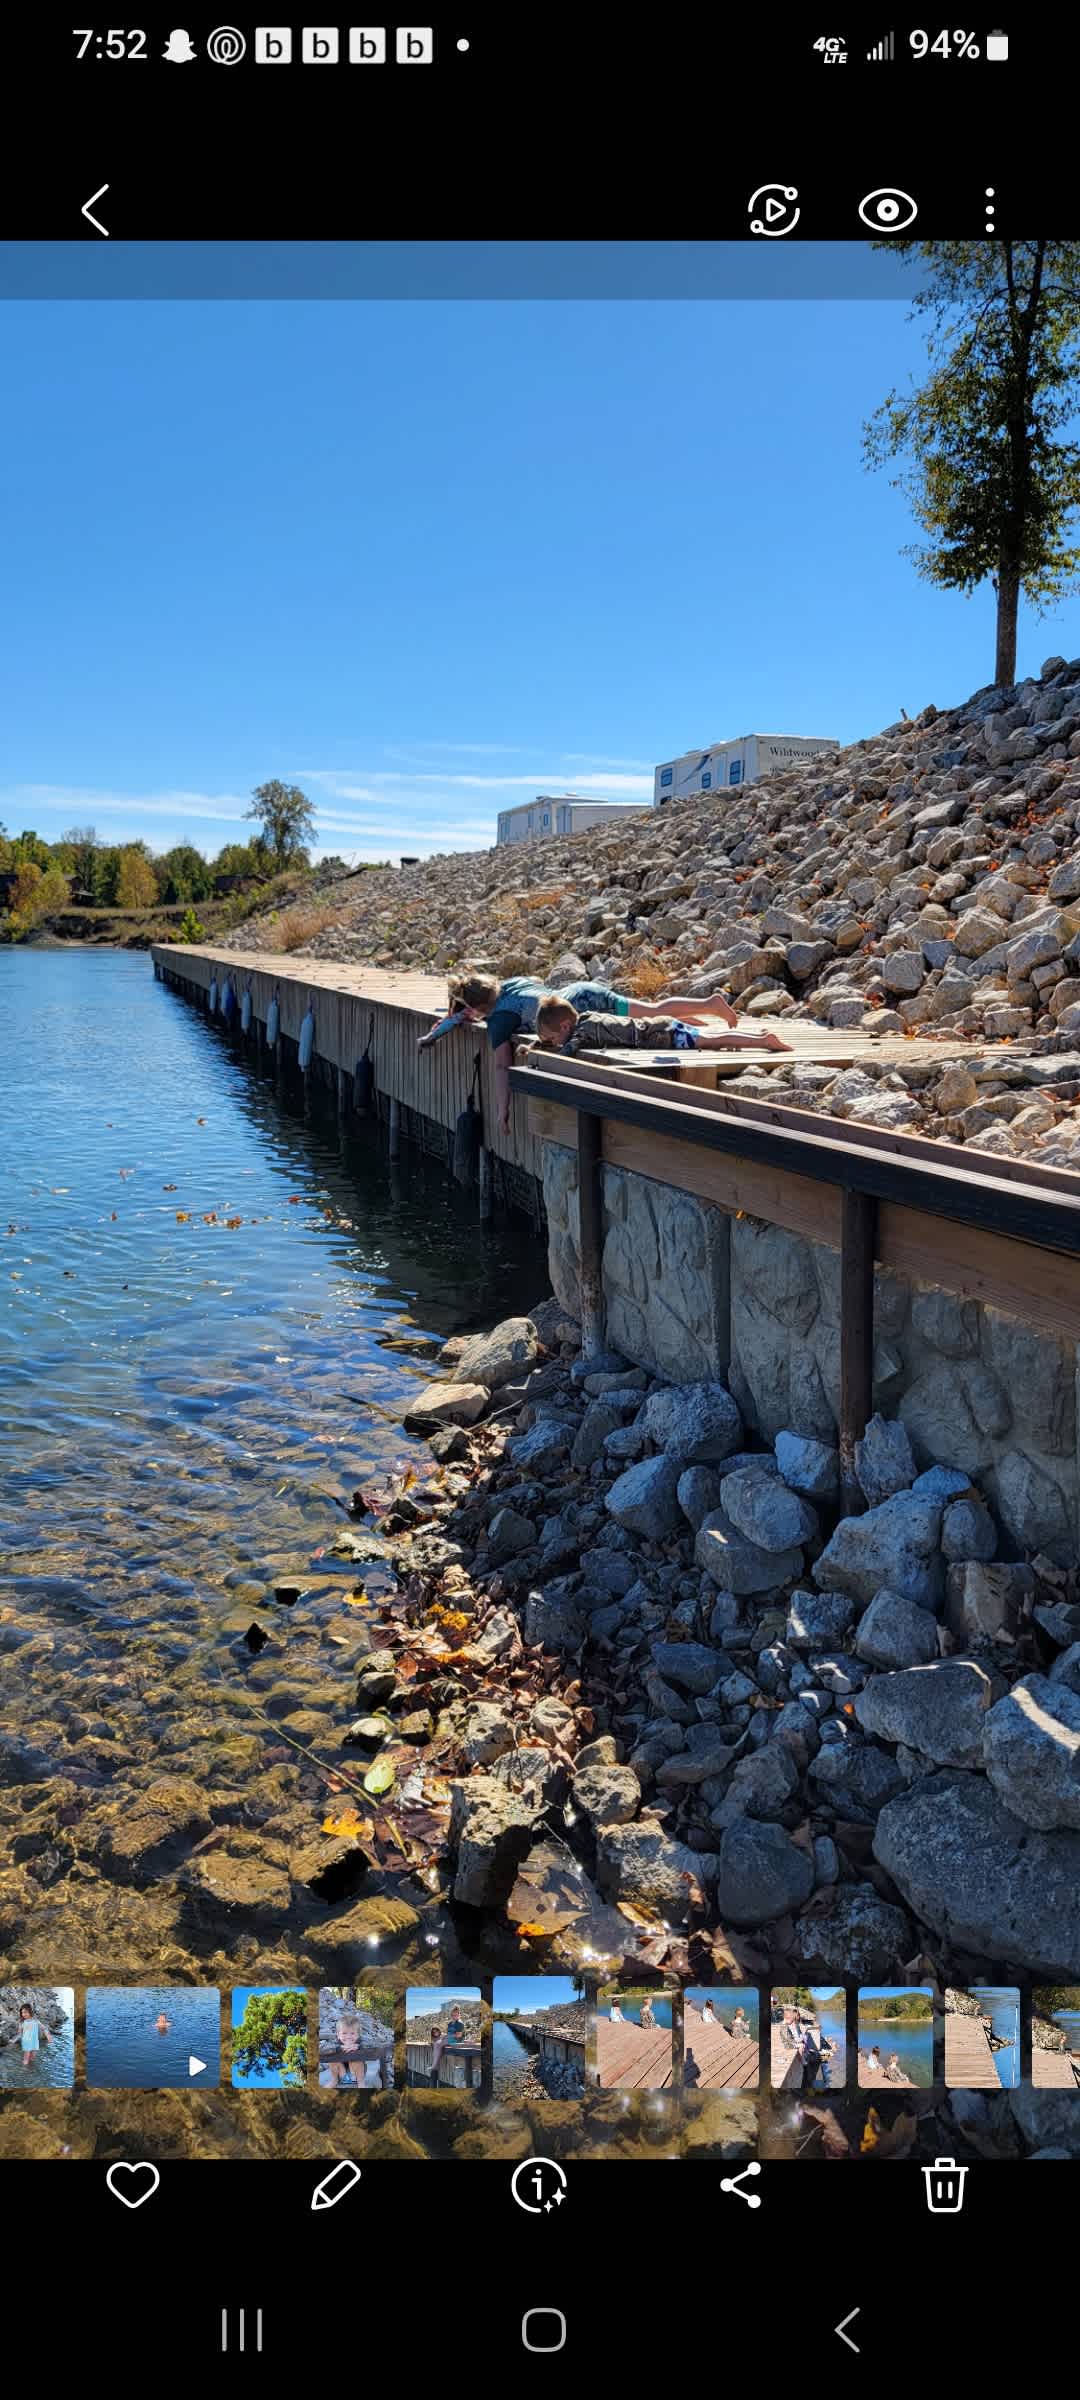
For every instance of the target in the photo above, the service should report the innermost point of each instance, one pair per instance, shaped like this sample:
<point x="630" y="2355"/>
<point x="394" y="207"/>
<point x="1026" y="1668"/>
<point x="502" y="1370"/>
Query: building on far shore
<point x="728" y="765"/>
<point x="562" y="812"/>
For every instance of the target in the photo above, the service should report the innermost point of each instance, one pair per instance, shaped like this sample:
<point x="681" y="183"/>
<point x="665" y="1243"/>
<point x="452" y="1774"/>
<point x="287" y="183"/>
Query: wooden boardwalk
<point x="1056" y="2070"/>
<point x="631" y="2058"/>
<point x="969" y="2060"/>
<point x="871" y="2081"/>
<point x="726" y="2062"/>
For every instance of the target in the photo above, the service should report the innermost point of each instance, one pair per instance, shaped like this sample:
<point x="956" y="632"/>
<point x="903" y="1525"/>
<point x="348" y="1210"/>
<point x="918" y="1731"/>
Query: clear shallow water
<point x="631" y="2010"/>
<point x="1069" y="2021"/>
<point x="913" y="2045"/>
<point x="211" y="1311"/>
<point x="124" y="2047"/>
<point x="52" y="2065"/>
<point x="1003" y="2010"/>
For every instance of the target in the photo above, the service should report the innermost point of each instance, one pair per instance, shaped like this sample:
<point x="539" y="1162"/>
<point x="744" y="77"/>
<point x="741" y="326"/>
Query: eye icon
<point x="888" y="211"/>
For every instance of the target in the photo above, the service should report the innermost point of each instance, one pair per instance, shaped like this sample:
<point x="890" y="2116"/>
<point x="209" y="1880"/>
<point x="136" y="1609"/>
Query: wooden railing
<point x="459" y="2066"/>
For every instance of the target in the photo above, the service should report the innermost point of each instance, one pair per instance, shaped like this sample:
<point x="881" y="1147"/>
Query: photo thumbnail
<point x="269" y="2038"/>
<point x="1055" y="2037"/>
<point x="356" y="2037"/>
<point x="808" y="2037"/>
<point x="164" y="2038"/>
<point x="37" y="2037"/>
<point x="539" y="2037"/>
<point x="444" y="2037"/>
<point x="896" y="2036"/>
<point x="721" y="2030"/>
<point x="982" y="2037"/>
<point x="634" y="2037"/>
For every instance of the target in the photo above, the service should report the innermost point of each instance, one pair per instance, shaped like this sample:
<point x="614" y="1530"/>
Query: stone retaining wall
<point x="693" y="1293"/>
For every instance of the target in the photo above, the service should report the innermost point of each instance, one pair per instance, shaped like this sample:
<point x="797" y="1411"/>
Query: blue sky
<point x="428" y="559"/>
<point x="427" y="1999"/>
<point x="524" y="1992"/>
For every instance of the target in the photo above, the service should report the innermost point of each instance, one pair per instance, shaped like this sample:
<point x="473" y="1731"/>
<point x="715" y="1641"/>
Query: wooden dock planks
<point x="631" y="2058"/>
<point x="726" y="2062"/>
<point x="969" y="2060"/>
<point x="1056" y="2070"/>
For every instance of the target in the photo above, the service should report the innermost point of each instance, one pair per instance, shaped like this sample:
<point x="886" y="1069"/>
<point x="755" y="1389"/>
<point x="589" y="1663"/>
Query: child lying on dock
<point x="510" y="1009"/>
<point x="561" y="1026"/>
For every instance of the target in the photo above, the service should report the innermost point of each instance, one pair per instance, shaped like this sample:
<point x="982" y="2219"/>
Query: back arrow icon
<point x="88" y="205"/>
<point x="846" y="2337"/>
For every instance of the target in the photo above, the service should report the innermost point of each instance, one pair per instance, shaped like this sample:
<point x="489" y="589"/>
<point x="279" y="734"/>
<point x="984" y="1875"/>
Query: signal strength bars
<point x="886" y="48"/>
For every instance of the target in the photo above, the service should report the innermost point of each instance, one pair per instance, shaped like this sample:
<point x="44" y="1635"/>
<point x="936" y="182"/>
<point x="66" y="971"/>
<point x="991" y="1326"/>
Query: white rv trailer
<point x="561" y="813"/>
<point x="726" y="766"/>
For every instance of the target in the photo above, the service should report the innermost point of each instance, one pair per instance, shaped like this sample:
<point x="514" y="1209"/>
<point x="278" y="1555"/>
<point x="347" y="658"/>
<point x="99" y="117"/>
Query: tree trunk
<point x="1008" y="604"/>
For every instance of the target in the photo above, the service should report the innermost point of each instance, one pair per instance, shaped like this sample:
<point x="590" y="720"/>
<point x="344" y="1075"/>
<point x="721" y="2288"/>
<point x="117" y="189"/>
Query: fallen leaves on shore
<point x="380" y="1777"/>
<point x="350" y="1826"/>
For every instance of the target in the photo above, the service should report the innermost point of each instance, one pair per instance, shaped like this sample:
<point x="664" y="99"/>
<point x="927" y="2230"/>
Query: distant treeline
<point x="897" y="2008"/>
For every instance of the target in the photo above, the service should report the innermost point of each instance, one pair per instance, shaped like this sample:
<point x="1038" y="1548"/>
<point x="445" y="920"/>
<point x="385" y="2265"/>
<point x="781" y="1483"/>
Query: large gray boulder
<point x="762" y="1875"/>
<point x="895" y="1632"/>
<point x="544" y="1449"/>
<point x="691" y="1665"/>
<point x="740" y="1566"/>
<point x="642" y="1863"/>
<point x="1031" y="1746"/>
<point x="971" y="1869"/>
<point x="504" y="1355"/>
<point x="607" y="1795"/>
<point x="883" y="1460"/>
<point x="645" y="1500"/>
<point x="693" y="1422"/>
<point x="761" y="1507"/>
<point x="699" y="1493"/>
<point x="895" y="1546"/>
<point x="939" y="1710"/>
<point x="862" y="1937"/>
<point x="807" y="1466"/>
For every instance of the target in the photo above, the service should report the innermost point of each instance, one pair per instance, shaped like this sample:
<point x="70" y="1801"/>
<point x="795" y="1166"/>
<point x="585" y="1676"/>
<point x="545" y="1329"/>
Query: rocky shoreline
<point x="703" y="1723"/>
<point x="923" y="881"/>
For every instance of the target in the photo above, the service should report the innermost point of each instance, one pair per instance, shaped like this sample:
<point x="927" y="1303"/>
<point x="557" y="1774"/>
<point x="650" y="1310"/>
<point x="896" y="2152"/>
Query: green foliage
<point x="190" y="929"/>
<point x="287" y="819"/>
<point x="1049" y="1997"/>
<point x="901" y="2008"/>
<point x="186" y="874"/>
<point x="373" y="1997"/>
<point x="34" y="897"/>
<point x="272" y="2036"/>
<point x="993" y="477"/>
<point x="136" y="882"/>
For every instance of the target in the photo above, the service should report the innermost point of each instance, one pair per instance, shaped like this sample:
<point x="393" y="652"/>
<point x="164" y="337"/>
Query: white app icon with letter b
<point x="415" y="45"/>
<point x="367" y="45"/>
<point x="273" y="45"/>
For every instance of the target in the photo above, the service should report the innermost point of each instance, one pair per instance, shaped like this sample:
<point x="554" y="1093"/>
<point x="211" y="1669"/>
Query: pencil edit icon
<point x="335" y="2185"/>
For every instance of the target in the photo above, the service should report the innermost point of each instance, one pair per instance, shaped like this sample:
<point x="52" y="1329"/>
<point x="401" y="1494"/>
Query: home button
<point x="544" y="2330"/>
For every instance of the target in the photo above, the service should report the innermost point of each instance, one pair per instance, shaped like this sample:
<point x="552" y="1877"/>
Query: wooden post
<point x="487" y="1185"/>
<point x="395" y="1128"/>
<point x="591" y="1215"/>
<point x="857" y="1228"/>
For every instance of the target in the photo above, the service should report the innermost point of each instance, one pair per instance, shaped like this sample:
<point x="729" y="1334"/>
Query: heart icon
<point x="141" y="2182"/>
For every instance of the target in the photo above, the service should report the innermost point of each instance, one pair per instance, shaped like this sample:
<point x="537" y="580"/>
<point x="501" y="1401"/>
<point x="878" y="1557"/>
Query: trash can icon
<point x="944" y="2187"/>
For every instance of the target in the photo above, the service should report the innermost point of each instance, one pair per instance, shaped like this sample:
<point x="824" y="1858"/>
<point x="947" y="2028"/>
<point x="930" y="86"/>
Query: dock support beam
<point x="857" y="1228"/>
<point x="342" y="1093"/>
<point x="395" y="1128"/>
<point x="590" y="1205"/>
<point x="487" y="1186"/>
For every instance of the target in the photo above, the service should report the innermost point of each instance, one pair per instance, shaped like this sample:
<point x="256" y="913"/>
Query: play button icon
<point x="779" y="210"/>
<point x="196" y="2066"/>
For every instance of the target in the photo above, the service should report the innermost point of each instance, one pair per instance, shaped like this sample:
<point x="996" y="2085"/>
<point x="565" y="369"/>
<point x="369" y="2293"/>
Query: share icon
<point x="734" y="2183"/>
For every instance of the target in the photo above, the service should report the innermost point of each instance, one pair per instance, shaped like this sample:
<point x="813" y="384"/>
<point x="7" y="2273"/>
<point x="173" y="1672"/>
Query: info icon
<point x="538" y="2186"/>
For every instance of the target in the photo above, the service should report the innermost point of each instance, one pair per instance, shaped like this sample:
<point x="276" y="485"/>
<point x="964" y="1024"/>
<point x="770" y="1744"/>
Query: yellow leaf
<point x="357" y="1599"/>
<point x="350" y="1825"/>
<point x="233" y="1222"/>
<point x="183" y="1216"/>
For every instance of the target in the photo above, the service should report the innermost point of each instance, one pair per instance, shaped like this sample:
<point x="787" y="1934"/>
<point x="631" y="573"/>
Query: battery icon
<point x="997" y="45"/>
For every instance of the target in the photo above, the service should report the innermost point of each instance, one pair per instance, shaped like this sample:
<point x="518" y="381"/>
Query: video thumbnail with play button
<point x="153" y="2038"/>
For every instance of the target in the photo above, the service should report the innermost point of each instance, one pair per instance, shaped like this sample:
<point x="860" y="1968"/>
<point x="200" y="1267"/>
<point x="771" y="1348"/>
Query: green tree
<point x="190" y="929"/>
<point x="136" y="882"/>
<point x="271" y="2037"/>
<point x="34" y="896"/>
<point x="82" y="842"/>
<point x="185" y="873"/>
<point x="287" y="820"/>
<point x="992" y="477"/>
<point x="30" y="850"/>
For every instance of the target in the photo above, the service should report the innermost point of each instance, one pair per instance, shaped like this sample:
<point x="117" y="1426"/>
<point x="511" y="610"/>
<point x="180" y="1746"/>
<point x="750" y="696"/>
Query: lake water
<point x="913" y="2044"/>
<point x="1003" y="2010"/>
<point x="211" y="1310"/>
<point x="508" y="2053"/>
<point x="124" y="2048"/>
<point x="1069" y="2020"/>
<point x="631" y="2010"/>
